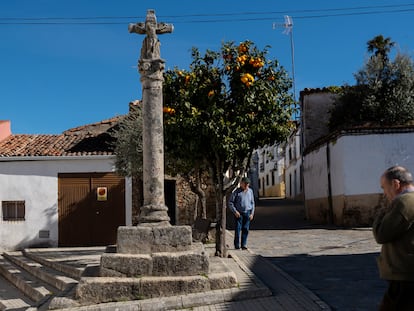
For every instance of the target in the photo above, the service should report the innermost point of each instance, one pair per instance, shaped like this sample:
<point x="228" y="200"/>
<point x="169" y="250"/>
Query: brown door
<point x="86" y="217"/>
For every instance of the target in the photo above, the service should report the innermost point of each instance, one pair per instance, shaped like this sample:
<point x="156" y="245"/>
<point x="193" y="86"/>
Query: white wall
<point x="357" y="162"/>
<point x="36" y="183"/>
<point x="293" y="166"/>
<point x="315" y="174"/>
<point x="371" y="155"/>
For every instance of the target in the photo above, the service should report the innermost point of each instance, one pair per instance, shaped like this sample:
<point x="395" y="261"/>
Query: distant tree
<point x="226" y="105"/>
<point x="128" y="154"/>
<point x="383" y="94"/>
<point x="380" y="47"/>
<point x="128" y="145"/>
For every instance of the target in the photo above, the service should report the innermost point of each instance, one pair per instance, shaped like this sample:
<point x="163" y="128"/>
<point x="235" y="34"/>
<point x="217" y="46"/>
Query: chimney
<point x="134" y="103"/>
<point x="4" y="129"/>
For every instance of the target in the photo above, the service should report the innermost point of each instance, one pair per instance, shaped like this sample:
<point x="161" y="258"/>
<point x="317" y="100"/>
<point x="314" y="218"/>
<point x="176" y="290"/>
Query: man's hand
<point x="251" y="216"/>
<point x="237" y="214"/>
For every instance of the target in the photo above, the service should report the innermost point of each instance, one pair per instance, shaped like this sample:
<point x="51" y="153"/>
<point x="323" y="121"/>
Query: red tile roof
<point x="91" y="139"/>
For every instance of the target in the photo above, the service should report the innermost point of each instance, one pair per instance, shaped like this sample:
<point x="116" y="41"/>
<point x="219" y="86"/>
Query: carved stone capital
<point x="151" y="69"/>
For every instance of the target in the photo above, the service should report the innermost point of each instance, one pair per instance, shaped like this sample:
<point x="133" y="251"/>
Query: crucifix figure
<point x="151" y="45"/>
<point x="154" y="212"/>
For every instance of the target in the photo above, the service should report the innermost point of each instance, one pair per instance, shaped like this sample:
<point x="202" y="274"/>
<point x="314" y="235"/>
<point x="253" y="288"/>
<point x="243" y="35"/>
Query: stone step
<point x="73" y="262"/>
<point x="37" y="290"/>
<point x="11" y="298"/>
<point x="52" y="277"/>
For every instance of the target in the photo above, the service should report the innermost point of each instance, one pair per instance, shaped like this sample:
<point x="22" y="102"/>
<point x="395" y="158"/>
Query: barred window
<point x="13" y="210"/>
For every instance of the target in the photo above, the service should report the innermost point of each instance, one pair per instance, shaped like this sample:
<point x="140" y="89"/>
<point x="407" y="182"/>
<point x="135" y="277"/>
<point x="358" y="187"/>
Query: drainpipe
<point x="330" y="204"/>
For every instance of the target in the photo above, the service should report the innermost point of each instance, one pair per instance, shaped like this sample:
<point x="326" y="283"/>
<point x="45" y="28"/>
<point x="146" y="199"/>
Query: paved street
<point x="337" y="264"/>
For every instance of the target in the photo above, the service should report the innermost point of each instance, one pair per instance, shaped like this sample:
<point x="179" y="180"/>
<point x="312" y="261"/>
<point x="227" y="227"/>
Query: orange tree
<point x="226" y="104"/>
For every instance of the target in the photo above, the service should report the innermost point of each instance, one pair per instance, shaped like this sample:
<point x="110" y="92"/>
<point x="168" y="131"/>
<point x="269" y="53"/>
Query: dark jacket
<point x="395" y="231"/>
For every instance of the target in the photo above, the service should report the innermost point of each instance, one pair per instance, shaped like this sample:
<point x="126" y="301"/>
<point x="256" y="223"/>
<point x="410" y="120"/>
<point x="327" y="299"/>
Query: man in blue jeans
<point x="241" y="203"/>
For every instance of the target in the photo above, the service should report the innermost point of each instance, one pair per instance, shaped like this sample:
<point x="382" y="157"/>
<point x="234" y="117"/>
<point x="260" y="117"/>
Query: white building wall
<point x="339" y="167"/>
<point x="315" y="174"/>
<point x="371" y="155"/>
<point x="36" y="183"/>
<point x="271" y="171"/>
<point x="293" y="166"/>
<point x="356" y="165"/>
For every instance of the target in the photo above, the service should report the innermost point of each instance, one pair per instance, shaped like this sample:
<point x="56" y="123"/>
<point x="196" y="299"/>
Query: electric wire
<point x="212" y="18"/>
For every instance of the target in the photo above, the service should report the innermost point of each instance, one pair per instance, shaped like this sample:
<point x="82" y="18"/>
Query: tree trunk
<point x="220" y="226"/>
<point x="223" y="225"/>
<point x="221" y="249"/>
<point x="204" y="207"/>
<point x="198" y="190"/>
<point x="196" y="208"/>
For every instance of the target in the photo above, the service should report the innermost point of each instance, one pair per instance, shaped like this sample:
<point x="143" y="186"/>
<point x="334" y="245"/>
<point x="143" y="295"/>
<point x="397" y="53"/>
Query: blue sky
<point x="62" y="74"/>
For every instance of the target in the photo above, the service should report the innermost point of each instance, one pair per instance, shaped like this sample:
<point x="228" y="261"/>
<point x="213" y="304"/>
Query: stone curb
<point x="249" y="272"/>
<point x="179" y="302"/>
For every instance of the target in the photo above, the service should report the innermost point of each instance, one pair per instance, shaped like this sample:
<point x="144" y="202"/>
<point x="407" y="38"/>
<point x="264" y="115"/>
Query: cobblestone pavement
<point x="336" y="264"/>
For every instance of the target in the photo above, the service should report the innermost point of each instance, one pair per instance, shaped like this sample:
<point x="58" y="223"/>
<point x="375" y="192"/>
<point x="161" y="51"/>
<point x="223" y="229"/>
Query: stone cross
<point x="151" y="66"/>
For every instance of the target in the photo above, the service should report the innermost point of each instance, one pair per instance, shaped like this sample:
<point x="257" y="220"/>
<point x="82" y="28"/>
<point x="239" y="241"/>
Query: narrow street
<point x="337" y="264"/>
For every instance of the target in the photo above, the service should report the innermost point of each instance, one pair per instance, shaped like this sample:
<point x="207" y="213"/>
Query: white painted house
<point x="342" y="174"/>
<point x="293" y="165"/>
<point x="271" y="173"/>
<point x="60" y="190"/>
<point x="342" y="169"/>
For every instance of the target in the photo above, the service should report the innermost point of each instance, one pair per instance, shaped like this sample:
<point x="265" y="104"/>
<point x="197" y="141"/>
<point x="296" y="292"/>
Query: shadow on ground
<point x="345" y="282"/>
<point x="279" y="214"/>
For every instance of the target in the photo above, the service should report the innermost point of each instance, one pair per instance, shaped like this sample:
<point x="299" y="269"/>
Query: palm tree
<point x="380" y="47"/>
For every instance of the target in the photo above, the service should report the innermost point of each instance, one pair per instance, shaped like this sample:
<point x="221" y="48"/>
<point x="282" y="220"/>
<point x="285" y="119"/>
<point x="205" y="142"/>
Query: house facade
<point x="63" y="190"/>
<point x="293" y="165"/>
<point x="271" y="175"/>
<point x="341" y="170"/>
<point x="342" y="173"/>
<point x="49" y="189"/>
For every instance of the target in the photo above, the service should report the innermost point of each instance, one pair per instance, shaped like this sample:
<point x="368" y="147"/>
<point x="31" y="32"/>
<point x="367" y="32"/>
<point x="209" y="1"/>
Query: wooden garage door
<point x="87" y="218"/>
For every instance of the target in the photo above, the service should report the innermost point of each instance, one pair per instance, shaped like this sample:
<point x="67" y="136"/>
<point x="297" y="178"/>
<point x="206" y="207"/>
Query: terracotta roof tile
<point x="92" y="139"/>
<point x="95" y="127"/>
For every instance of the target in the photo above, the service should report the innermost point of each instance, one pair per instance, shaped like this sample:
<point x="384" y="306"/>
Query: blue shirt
<point x="242" y="201"/>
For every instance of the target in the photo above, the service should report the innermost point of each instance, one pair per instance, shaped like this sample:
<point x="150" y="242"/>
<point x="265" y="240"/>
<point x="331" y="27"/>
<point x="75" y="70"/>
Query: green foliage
<point x="380" y="47"/>
<point x="383" y="94"/>
<point x="227" y="104"/>
<point x="128" y="148"/>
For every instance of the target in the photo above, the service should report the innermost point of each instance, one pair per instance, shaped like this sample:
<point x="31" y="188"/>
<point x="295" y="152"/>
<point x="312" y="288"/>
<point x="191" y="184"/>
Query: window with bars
<point x="13" y="210"/>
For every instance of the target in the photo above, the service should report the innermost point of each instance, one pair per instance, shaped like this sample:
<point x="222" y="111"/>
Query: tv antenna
<point x="288" y="25"/>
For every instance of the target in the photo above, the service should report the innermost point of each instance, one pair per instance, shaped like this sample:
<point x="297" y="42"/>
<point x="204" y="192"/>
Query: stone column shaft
<point x="151" y="67"/>
<point x="154" y="209"/>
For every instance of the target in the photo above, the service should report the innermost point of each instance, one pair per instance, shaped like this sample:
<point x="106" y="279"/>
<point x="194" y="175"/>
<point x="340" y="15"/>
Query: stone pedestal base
<point x="184" y="263"/>
<point x="153" y="261"/>
<point x="145" y="240"/>
<point x="103" y="289"/>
